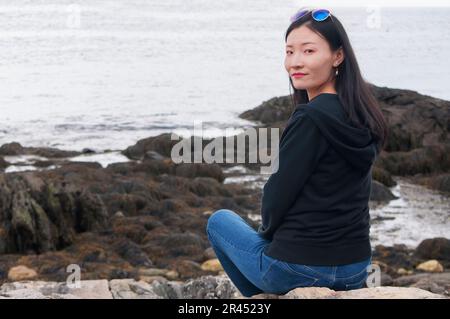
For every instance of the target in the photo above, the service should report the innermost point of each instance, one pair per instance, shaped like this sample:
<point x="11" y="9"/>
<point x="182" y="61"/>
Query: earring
<point x="337" y="72"/>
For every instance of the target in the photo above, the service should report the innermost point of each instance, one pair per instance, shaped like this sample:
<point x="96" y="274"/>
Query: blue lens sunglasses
<point x="317" y="14"/>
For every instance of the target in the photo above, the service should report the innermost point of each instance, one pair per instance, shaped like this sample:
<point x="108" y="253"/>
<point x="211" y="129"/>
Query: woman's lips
<point x="298" y="75"/>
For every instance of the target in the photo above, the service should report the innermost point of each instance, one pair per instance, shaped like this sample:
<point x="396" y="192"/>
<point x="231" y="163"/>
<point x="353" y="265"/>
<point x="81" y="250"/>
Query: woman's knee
<point x="218" y="217"/>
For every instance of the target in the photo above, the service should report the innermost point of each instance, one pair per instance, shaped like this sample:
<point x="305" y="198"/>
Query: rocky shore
<point x="143" y="221"/>
<point x="205" y="287"/>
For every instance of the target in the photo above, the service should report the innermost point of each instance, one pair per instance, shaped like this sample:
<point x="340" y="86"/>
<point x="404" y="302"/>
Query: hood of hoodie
<point x="355" y="145"/>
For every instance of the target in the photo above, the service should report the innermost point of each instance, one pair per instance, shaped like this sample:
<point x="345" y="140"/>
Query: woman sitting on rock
<point x="314" y="209"/>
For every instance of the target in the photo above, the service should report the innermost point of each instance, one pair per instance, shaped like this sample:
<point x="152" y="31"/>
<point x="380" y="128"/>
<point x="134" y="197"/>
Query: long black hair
<point x="354" y="92"/>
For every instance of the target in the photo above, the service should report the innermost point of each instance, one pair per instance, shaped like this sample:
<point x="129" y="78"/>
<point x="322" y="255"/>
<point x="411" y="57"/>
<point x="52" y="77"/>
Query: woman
<point x="315" y="214"/>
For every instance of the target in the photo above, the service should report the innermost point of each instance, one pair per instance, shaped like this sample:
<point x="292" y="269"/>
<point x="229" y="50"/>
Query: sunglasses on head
<point x="317" y="14"/>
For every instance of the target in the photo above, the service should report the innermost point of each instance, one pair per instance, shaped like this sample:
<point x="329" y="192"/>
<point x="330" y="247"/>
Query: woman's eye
<point x="309" y="50"/>
<point x="288" y="52"/>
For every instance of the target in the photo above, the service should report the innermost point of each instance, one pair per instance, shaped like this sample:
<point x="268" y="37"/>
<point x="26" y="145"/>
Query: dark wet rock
<point x="74" y="165"/>
<point x="88" y="151"/>
<point x="69" y="215"/>
<point x="415" y="120"/>
<point x="386" y="280"/>
<point x="383" y="176"/>
<point x="15" y="148"/>
<point x="40" y="216"/>
<point x="171" y="246"/>
<point x="132" y="253"/>
<point x="205" y="186"/>
<point x="3" y="164"/>
<point x="153" y="155"/>
<point x="200" y="170"/>
<point x="436" y="283"/>
<point x="188" y="269"/>
<point x="392" y="258"/>
<point x="166" y="166"/>
<point x="162" y="144"/>
<point x="209" y="254"/>
<point x="434" y="248"/>
<point x="398" y="260"/>
<point x="441" y="183"/>
<point x="437" y="181"/>
<point x="379" y="192"/>
<point x="44" y="163"/>
<point x="274" y="110"/>
<point x="425" y="160"/>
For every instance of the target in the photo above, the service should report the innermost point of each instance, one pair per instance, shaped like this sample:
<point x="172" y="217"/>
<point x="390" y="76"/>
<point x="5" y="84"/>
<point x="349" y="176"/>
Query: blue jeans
<point x="240" y="250"/>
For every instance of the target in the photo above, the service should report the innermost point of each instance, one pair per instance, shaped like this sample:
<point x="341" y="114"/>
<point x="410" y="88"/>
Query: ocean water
<point x="103" y="74"/>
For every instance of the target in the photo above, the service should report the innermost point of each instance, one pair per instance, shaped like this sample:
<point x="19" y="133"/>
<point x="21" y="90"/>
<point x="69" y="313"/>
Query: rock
<point x="118" y="214"/>
<point x="403" y="272"/>
<point x="172" y="275"/>
<point x="364" y="293"/>
<point x="45" y="215"/>
<point x="200" y="170"/>
<point x="150" y="279"/>
<point x="183" y="244"/>
<point x="132" y="253"/>
<point x="131" y="289"/>
<point x="3" y="164"/>
<point x="382" y="176"/>
<point x="21" y="273"/>
<point x="88" y="151"/>
<point x="303" y="293"/>
<point x="212" y="265"/>
<point x="152" y="272"/>
<point x="210" y="287"/>
<point x="440" y="182"/>
<point x="188" y="269"/>
<point x="209" y="252"/>
<point x="207" y="186"/>
<point x="3" y="240"/>
<point x="379" y="192"/>
<point x="92" y="289"/>
<point x="386" y="280"/>
<point x="434" y="248"/>
<point x="168" y="290"/>
<point x="430" y="266"/>
<point x="205" y="287"/>
<point x="152" y="155"/>
<point x="25" y="294"/>
<point x="434" y="282"/>
<point x="424" y="160"/>
<point x="392" y="258"/>
<point x="273" y="110"/>
<point x="10" y="149"/>
<point x="15" y="148"/>
<point x="161" y="144"/>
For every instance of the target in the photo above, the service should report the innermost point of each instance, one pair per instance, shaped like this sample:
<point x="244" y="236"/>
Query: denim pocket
<point x="357" y="281"/>
<point x="281" y="277"/>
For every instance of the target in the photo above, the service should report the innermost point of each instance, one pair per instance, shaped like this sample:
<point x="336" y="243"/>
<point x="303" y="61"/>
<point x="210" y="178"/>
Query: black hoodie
<point x="315" y="206"/>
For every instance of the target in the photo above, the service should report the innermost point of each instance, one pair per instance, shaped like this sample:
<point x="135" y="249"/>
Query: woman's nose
<point x="296" y="61"/>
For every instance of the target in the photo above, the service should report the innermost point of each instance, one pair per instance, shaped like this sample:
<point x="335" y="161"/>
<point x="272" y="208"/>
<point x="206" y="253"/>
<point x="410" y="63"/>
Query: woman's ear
<point x="338" y="57"/>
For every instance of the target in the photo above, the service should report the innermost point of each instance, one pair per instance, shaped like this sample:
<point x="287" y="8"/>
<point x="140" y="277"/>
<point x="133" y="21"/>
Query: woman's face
<point x="309" y="53"/>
